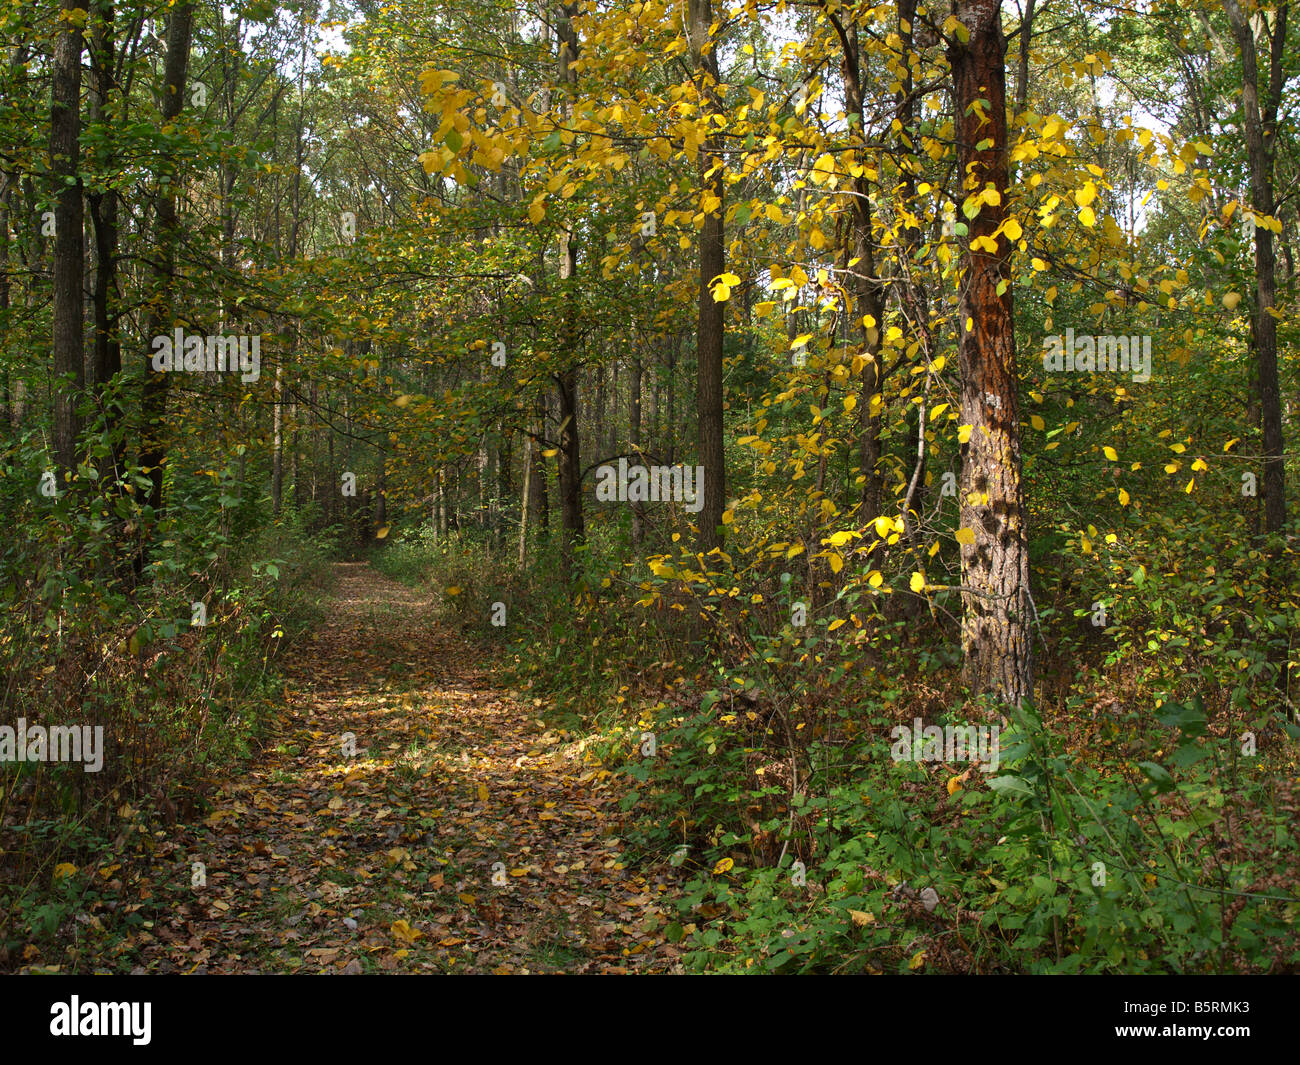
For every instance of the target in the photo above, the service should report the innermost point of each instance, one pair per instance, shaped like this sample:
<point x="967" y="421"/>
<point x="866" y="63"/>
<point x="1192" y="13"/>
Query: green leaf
<point x="1190" y="719"/>
<point x="1009" y="784"/>
<point x="1158" y="775"/>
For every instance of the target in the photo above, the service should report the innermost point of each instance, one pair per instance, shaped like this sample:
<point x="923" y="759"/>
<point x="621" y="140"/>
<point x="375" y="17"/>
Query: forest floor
<point x="387" y="861"/>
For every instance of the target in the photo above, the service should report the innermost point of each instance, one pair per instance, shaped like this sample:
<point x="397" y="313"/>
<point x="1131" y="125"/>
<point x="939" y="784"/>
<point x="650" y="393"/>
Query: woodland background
<point x="815" y="247"/>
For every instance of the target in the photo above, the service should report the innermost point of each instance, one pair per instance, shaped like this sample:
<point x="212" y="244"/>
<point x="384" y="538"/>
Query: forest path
<point x="317" y="862"/>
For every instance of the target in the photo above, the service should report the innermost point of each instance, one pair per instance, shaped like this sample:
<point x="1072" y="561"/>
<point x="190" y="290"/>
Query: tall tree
<point x="996" y="623"/>
<point x="713" y="263"/>
<point x="153" y="443"/>
<point x="69" y="256"/>
<point x="1261" y="95"/>
<point x="867" y="302"/>
<point x="566" y="380"/>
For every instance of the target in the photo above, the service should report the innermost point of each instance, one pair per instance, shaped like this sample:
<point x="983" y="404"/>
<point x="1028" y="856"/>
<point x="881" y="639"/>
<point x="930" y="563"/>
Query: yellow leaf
<point x="404" y="933"/>
<point x="1037" y="423"/>
<point x="1231" y="299"/>
<point x="963" y="433"/>
<point x="965" y="536"/>
<point x="1110" y="453"/>
<point x="1123" y="498"/>
<point x="536" y="212"/>
<point x="453" y="590"/>
<point x="381" y="533"/>
<point x="954" y="785"/>
<point x="918" y="959"/>
<point x="917" y="582"/>
<point x="862" y="918"/>
<point x="64" y="870"/>
<point x="1087" y="217"/>
<point x="875" y="580"/>
<point x="482" y="793"/>
<point x="724" y="865"/>
<point x="1012" y="229"/>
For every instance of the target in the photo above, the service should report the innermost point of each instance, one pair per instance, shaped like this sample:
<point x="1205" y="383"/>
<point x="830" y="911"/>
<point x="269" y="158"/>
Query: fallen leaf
<point x="404" y="933"/>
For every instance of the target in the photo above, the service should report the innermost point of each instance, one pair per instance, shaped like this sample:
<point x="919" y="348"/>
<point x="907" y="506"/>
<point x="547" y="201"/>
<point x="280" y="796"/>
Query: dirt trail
<point x="320" y="862"/>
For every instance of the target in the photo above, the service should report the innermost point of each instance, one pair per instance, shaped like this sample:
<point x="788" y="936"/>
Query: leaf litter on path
<point x="451" y="831"/>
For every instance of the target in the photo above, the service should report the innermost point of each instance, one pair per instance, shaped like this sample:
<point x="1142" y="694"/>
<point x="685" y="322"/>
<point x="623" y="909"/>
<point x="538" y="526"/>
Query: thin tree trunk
<point x="634" y="437"/>
<point x="525" y="499"/>
<point x="69" y="252"/>
<point x="1022" y="71"/>
<point x="868" y="303"/>
<point x="153" y="444"/>
<point x="1260" y="127"/>
<point x="570" y="455"/>
<point x="713" y="262"/>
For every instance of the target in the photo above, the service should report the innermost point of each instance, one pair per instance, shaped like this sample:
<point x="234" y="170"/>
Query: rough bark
<point x="997" y="617"/>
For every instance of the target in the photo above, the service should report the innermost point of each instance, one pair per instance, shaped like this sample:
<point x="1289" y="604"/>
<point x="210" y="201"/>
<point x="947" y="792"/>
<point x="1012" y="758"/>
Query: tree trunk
<point x="713" y="261"/>
<point x="634" y="438"/>
<point x="525" y="499"/>
<point x="107" y="361"/>
<point x="570" y="456"/>
<point x="996" y="623"/>
<point x="1260" y="128"/>
<point x="153" y="443"/>
<point x="69" y="254"/>
<point x="867" y="304"/>
<point x="541" y="502"/>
